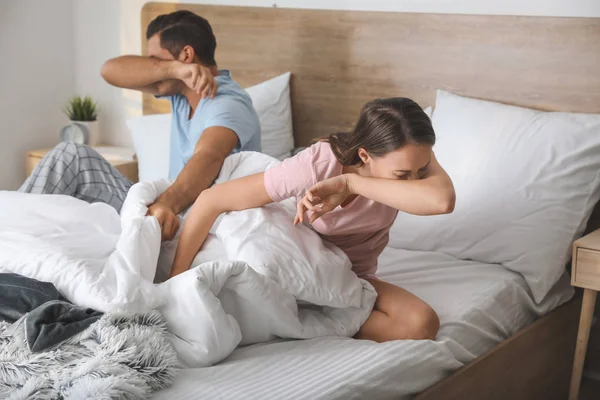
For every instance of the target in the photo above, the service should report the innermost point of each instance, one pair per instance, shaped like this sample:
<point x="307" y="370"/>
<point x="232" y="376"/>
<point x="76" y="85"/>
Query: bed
<point x="470" y="298"/>
<point x="341" y="59"/>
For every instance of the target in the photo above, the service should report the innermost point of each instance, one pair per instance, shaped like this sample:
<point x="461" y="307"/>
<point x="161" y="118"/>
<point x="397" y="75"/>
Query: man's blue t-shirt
<point x="231" y="108"/>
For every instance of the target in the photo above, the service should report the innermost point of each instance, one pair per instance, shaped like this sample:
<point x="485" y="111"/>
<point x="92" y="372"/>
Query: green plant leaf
<point x="81" y="109"/>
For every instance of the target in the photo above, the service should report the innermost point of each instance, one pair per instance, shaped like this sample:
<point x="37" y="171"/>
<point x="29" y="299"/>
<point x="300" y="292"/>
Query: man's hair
<point x="182" y="28"/>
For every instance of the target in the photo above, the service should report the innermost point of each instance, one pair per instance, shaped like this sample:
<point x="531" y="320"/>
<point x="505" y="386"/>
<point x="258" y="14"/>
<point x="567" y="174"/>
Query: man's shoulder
<point x="231" y="111"/>
<point x="231" y="92"/>
<point x="229" y="100"/>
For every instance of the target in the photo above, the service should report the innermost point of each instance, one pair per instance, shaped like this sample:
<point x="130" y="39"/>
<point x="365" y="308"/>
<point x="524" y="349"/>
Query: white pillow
<point x="526" y="182"/>
<point x="428" y="111"/>
<point x="151" y="139"/>
<point x="272" y="102"/>
<point x="151" y="133"/>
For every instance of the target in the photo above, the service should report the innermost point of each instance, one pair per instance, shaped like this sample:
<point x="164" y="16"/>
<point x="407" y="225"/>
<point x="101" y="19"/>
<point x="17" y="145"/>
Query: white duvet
<point x="258" y="277"/>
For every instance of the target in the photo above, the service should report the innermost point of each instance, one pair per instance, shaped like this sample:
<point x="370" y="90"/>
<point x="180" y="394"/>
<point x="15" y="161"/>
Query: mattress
<point x="479" y="306"/>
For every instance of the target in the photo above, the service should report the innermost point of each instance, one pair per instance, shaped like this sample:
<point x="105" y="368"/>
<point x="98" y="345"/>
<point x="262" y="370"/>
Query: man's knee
<point x="56" y="172"/>
<point x="69" y="147"/>
<point x="65" y="152"/>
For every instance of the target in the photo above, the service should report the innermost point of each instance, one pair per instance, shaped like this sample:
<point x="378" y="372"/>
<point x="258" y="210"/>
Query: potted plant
<point x="83" y="113"/>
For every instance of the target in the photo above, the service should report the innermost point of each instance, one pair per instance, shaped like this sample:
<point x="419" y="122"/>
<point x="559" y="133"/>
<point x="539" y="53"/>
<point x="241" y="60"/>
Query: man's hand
<point x="198" y="78"/>
<point x="167" y="219"/>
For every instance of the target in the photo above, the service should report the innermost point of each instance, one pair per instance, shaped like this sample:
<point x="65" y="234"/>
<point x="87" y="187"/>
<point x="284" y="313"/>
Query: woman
<point x="351" y="186"/>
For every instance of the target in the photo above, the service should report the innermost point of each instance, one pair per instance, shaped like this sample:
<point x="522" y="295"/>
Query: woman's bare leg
<point x="398" y="314"/>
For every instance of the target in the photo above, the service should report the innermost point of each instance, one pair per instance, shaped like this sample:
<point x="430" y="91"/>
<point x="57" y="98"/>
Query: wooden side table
<point x="116" y="156"/>
<point x="585" y="274"/>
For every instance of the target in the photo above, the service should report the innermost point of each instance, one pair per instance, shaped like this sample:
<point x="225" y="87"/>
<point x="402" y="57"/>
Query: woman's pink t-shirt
<point x="360" y="229"/>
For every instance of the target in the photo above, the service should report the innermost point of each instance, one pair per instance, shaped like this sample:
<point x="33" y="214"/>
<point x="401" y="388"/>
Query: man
<point x="212" y="117"/>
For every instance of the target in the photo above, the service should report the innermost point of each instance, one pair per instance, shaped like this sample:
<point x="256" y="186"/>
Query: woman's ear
<point x="186" y="55"/>
<point x="364" y="156"/>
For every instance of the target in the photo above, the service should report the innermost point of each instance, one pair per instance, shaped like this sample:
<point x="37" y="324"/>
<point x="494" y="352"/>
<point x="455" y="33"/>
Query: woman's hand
<point x="322" y="198"/>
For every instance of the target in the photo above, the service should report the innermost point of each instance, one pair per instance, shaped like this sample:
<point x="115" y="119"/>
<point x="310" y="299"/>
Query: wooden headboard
<point x="341" y="59"/>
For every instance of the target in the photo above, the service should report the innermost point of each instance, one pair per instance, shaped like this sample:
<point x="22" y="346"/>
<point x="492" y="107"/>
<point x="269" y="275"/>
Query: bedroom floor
<point x="590" y="389"/>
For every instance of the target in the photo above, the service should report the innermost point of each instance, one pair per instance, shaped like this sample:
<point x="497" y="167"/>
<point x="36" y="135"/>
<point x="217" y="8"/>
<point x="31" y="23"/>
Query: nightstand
<point x="585" y="274"/>
<point x="122" y="159"/>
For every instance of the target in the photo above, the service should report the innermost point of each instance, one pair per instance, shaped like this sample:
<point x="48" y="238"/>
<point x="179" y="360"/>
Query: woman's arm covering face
<point x="432" y="195"/>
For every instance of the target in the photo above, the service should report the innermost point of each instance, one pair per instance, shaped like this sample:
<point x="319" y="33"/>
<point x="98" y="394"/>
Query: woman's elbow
<point x="216" y="200"/>
<point x="208" y="202"/>
<point x="447" y="202"/>
<point x="207" y="198"/>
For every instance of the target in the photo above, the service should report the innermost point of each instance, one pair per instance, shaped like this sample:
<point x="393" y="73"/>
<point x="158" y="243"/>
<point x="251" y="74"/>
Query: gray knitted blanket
<point x="121" y="356"/>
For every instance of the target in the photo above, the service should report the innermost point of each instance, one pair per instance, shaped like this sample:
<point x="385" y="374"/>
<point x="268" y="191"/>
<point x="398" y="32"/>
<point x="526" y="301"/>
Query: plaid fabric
<point x="79" y="171"/>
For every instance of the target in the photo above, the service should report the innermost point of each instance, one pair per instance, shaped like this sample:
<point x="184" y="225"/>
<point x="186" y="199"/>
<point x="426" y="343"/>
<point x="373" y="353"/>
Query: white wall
<point x="36" y="79"/>
<point x="108" y="28"/>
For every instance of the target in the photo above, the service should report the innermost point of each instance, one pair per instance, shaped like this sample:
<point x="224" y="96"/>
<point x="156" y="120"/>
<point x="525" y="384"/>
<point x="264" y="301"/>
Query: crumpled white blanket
<point x="258" y="277"/>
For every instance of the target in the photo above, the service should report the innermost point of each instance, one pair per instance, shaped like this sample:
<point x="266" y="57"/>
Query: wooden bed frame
<point x="341" y="59"/>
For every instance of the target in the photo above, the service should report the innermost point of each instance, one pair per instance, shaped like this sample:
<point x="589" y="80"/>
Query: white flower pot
<point x="93" y="138"/>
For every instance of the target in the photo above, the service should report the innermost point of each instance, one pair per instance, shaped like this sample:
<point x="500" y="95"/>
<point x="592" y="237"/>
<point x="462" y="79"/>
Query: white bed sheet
<point x="479" y="305"/>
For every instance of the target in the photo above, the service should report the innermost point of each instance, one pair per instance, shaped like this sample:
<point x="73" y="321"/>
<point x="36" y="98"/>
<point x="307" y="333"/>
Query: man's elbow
<point x="107" y="71"/>
<point x="162" y="89"/>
